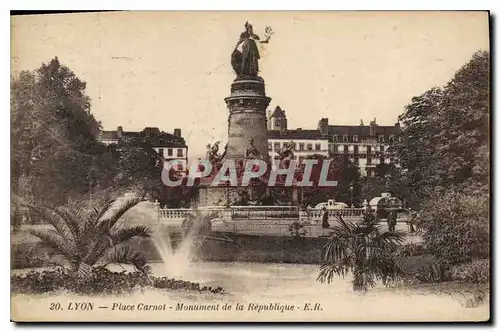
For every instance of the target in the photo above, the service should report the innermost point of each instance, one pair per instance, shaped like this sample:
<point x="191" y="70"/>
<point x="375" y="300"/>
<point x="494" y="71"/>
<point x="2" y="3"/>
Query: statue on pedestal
<point x="287" y="152"/>
<point x="252" y="152"/>
<point x="245" y="57"/>
<point x="213" y="153"/>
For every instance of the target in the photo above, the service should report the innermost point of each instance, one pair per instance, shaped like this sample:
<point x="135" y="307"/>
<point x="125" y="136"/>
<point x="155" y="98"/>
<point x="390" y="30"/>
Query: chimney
<point x="323" y="126"/>
<point x="177" y="132"/>
<point x="361" y="123"/>
<point x="119" y="131"/>
<point x="150" y="131"/>
<point x="373" y="124"/>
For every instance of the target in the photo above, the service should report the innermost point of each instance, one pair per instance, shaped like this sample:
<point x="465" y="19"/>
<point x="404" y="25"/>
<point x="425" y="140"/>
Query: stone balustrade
<point x="262" y="213"/>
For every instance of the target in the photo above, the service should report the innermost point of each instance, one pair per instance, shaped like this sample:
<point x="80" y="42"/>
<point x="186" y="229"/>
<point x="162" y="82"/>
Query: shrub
<point x="456" y="227"/>
<point x="27" y="256"/>
<point x="411" y="249"/>
<point x="103" y="281"/>
<point x="477" y="271"/>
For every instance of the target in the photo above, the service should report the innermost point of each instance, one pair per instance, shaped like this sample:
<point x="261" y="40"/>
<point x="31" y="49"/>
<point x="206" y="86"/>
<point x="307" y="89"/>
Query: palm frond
<point x="97" y="247"/>
<point x="123" y="254"/>
<point x="106" y="223"/>
<point x="84" y="272"/>
<point x="51" y="216"/>
<point x="97" y="212"/>
<point x="126" y="234"/>
<point x="54" y="240"/>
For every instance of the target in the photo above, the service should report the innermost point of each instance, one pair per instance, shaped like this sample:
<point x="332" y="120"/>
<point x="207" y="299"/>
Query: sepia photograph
<point x="250" y="166"/>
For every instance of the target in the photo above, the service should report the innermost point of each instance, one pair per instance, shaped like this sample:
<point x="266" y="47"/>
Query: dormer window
<point x="355" y="138"/>
<point x="391" y="138"/>
<point x="346" y="138"/>
<point x="335" y="138"/>
<point x="381" y="139"/>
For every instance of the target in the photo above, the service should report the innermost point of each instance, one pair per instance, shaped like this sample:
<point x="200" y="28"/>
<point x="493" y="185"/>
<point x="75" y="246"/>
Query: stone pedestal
<point x="247" y="106"/>
<point x="247" y="117"/>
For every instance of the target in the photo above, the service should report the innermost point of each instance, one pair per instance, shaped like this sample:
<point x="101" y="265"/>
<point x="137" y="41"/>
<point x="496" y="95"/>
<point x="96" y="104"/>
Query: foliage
<point x="53" y="133"/>
<point x="363" y="250"/>
<point x="85" y="235"/>
<point x="455" y="227"/>
<point x="103" y="281"/>
<point x="444" y="141"/>
<point x="26" y="256"/>
<point x="411" y="249"/>
<point x="297" y="230"/>
<point x="477" y="271"/>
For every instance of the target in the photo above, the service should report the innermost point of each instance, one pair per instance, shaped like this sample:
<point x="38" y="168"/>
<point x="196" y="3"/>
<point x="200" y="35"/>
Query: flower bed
<point x="102" y="281"/>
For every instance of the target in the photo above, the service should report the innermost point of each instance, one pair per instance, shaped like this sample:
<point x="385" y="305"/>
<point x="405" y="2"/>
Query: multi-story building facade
<point x="307" y="142"/>
<point x="364" y="145"/>
<point x="168" y="146"/>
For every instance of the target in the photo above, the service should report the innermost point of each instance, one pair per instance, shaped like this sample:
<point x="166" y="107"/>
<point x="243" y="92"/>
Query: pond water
<point x="285" y="285"/>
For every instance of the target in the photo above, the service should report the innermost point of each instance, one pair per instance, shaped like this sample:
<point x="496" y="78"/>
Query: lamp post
<point x="351" y="188"/>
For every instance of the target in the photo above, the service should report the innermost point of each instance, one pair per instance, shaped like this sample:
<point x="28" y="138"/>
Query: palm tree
<point x="361" y="248"/>
<point x="86" y="236"/>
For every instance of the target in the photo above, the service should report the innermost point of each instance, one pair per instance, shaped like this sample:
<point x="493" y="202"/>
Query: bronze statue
<point x="213" y="153"/>
<point x="246" y="60"/>
<point x="252" y="152"/>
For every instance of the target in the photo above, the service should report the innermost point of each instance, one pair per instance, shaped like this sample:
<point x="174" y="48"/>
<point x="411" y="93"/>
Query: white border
<point x="186" y="5"/>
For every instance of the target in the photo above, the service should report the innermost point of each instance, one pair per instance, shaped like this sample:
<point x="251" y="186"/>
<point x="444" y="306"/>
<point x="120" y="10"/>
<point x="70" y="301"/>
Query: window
<point x="356" y="149"/>
<point x="346" y="138"/>
<point x="391" y="138"/>
<point x="160" y="152"/>
<point x="346" y="148"/>
<point x="335" y="148"/>
<point x="355" y="138"/>
<point x="169" y="152"/>
<point x="368" y="149"/>
<point x="180" y="167"/>
<point x="381" y="139"/>
<point x="309" y="146"/>
<point x="294" y="146"/>
<point x="277" y="146"/>
<point x="382" y="160"/>
<point x="382" y="148"/>
<point x="270" y="146"/>
<point x="301" y="146"/>
<point x="180" y="153"/>
<point x="369" y="161"/>
<point x="276" y="157"/>
<point x="335" y="138"/>
<point x="317" y="147"/>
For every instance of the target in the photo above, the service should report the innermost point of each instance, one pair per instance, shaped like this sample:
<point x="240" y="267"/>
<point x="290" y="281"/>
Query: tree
<point x="361" y="248"/>
<point x="456" y="227"/>
<point x="53" y="133"/>
<point x="86" y="236"/>
<point x="349" y="177"/>
<point x="445" y="134"/>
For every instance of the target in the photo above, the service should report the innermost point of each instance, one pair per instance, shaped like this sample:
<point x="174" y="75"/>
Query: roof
<point x="363" y="131"/>
<point x="278" y="113"/>
<point x="153" y="136"/>
<point x="296" y="134"/>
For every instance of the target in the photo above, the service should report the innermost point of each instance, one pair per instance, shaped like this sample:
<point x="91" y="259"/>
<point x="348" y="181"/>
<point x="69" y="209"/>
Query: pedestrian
<point x="325" y="218"/>
<point x="411" y="220"/>
<point x="391" y="221"/>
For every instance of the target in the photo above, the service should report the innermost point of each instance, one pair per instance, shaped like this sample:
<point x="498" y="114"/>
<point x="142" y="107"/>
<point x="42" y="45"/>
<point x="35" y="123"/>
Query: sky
<point x="172" y="69"/>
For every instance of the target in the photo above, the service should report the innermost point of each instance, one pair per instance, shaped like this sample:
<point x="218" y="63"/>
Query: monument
<point x="247" y="123"/>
